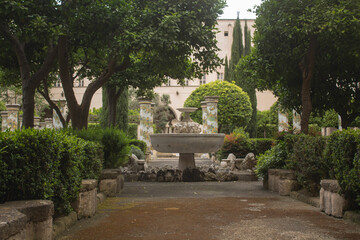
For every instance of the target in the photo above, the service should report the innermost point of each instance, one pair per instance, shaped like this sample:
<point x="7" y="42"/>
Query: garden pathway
<point x="207" y="210"/>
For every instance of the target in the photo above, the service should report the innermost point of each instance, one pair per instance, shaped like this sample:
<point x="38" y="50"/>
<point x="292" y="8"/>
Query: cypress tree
<point x="237" y="48"/>
<point x="226" y="73"/>
<point x="247" y="36"/>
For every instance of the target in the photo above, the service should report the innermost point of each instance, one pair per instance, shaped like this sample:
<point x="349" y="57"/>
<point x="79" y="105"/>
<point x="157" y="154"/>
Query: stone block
<point x="327" y="202"/>
<point x="85" y="205"/>
<point x="88" y="185"/>
<point x="38" y="217"/>
<point x="100" y="198"/>
<point x="12" y="223"/>
<point x="271" y="179"/>
<point x="286" y="174"/>
<point x="322" y="200"/>
<point x="338" y="205"/>
<point x="109" y="187"/>
<point x="122" y="181"/>
<point x="330" y="185"/>
<point x="286" y="186"/>
<point x="110" y="174"/>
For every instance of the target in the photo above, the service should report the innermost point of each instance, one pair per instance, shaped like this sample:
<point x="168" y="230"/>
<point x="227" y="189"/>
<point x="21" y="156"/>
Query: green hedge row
<point x="314" y="158"/>
<point x="115" y="144"/>
<point x="240" y="145"/>
<point x="46" y="164"/>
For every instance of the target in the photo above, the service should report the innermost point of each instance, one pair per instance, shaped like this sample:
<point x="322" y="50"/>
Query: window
<point x="203" y="80"/>
<point x="81" y="83"/>
<point x="226" y="33"/>
<point x="168" y="83"/>
<point x="220" y="76"/>
<point x="186" y="82"/>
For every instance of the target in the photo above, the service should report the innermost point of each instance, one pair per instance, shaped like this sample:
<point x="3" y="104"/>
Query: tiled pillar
<point x="4" y="116"/>
<point x="204" y="116"/>
<point x="296" y="122"/>
<point x="49" y="123"/>
<point x="212" y="118"/>
<point x="283" y="122"/>
<point x="13" y="116"/>
<point x="146" y="121"/>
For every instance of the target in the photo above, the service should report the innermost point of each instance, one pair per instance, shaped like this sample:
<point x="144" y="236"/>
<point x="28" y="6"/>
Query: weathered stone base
<point x="85" y="205"/>
<point x="111" y="182"/>
<point x="26" y="220"/>
<point x="282" y="181"/>
<point x="331" y="202"/>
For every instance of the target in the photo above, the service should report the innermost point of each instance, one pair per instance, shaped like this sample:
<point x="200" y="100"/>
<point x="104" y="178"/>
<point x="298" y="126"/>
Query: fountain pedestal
<point x="186" y="160"/>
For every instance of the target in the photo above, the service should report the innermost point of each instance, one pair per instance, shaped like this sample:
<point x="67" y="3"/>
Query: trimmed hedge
<point x="306" y="159"/>
<point x="343" y="158"/>
<point x="240" y="145"/>
<point x="45" y="164"/>
<point x="132" y="130"/>
<point x="115" y="144"/>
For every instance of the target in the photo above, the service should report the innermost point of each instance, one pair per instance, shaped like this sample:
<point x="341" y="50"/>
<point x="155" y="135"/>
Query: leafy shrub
<point x="137" y="152"/>
<point x="115" y="144"/>
<point x="260" y="145"/>
<point x="273" y="158"/>
<point x="237" y="143"/>
<point x="342" y="155"/>
<point x="234" y="107"/>
<point x="141" y="144"/>
<point x="132" y="130"/>
<point x="306" y="159"/>
<point x="45" y="164"/>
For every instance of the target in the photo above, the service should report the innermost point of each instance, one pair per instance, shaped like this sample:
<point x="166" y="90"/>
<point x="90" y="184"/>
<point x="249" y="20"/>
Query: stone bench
<point x="85" y="205"/>
<point x="26" y="220"/>
<point x="282" y="181"/>
<point x="111" y="182"/>
<point x="331" y="202"/>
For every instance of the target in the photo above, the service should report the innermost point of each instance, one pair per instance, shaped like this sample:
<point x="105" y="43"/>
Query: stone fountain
<point x="186" y="140"/>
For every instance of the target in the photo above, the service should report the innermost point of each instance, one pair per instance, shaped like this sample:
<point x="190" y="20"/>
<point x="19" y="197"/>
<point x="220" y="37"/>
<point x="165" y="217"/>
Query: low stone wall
<point x="111" y="182"/>
<point x="282" y="181"/>
<point x="331" y="202"/>
<point x="26" y="220"/>
<point x="85" y="205"/>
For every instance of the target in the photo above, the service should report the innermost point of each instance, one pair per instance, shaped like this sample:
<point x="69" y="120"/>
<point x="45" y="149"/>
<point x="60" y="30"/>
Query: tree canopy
<point x="97" y="39"/>
<point x="307" y="53"/>
<point x="234" y="107"/>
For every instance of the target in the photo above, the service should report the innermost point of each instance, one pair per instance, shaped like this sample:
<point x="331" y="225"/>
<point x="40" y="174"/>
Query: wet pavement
<point x="207" y="210"/>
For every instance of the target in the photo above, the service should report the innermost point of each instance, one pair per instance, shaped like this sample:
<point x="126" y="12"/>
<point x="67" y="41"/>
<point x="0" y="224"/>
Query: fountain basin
<point x="187" y="142"/>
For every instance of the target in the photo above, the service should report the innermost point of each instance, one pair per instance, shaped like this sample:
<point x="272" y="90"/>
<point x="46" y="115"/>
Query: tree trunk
<point x="28" y="101"/>
<point x="111" y="101"/>
<point x="307" y="66"/>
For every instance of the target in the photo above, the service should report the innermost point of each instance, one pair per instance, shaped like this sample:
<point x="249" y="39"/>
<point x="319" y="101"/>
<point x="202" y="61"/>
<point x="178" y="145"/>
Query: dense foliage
<point x="115" y="144"/>
<point x="46" y="164"/>
<point x="239" y="143"/>
<point x="234" y="107"/>
<point x="306" y="159"/>
<point x="307" y="52"/>
<point x="343" y="158"/>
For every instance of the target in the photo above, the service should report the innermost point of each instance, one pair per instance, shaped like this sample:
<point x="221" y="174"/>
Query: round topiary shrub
<point x="234" y="107"/>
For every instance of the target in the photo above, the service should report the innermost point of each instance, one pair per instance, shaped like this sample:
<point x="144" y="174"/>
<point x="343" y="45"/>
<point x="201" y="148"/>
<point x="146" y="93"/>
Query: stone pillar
<point x="13" y="116"/>
<point x="296" y="122"/>
<point x="204" y="116"/>
<point x="37" y="122"/>
<point x="283" y="122"/>
<point x="48" y="123"/>
<point x="4" y="116"/>
<point x="340" y="123"/>
<point x="146" y="121"/>
<point x="212" y="119"/>
<point x="56" y="119"/>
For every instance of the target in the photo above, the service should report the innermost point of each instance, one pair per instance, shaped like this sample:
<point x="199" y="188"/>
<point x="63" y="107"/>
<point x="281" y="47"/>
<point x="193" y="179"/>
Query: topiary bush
<point x="45" y="164"/>
<point x="116" y="148"/>
<point x="137" y="152"/>
<point x="260" y="145"/>
<point x="237" y="143"/>
<point x="234" y="107"/>
<point x="132" y="130"/>
<point x="139" y="143"/>
<point x="306" y="159"/>
<point x="342" y="155"/>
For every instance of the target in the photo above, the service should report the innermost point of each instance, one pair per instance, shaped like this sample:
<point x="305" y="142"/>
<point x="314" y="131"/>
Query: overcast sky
<point x="242" y="6"/>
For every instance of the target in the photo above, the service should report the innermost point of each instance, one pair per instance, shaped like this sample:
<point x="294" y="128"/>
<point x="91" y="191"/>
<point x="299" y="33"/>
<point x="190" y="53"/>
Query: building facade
<point x="178" y="94"/>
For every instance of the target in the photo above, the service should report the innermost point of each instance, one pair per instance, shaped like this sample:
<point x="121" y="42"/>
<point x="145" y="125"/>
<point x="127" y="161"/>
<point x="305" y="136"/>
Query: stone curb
<point x="352" y="216"/>
<point x="313" y="201"/>
<point x="62" y="223"/>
